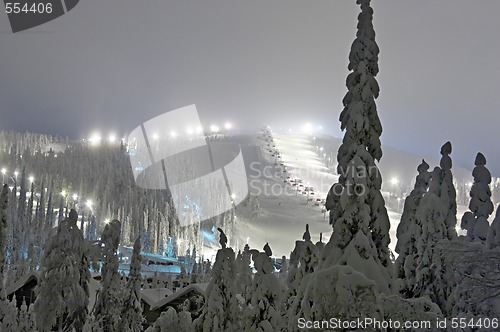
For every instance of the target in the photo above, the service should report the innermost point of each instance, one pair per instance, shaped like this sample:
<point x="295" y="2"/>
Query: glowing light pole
<point x="3" y="174"/>
<point x="75" y="200"/>
<point x="394" y="183"/>
<point x="32" y="182"/>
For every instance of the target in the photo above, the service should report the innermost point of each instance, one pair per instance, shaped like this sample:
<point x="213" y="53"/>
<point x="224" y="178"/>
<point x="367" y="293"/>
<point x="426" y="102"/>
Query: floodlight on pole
<point x="394" y="181"/>
<point x="307" y="128"/>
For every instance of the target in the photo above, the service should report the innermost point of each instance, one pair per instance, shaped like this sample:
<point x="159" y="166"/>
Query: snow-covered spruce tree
<point x="263" y="310"/>
<point x="9" y="321"/>
<point x="4" y="215"/>
<point x="356" y="262"/>
<point x="244" y="273"/>
<point x="131" y="316"/>
<point x="447" y="193"/>
<point x="480" y="204"/>
<point x="436" y="217"/>
<point x="358" y="209"/>
<point x="408" y="232"/>
<point x="5" y="307"/>
<point x="19" y="228"/>
<point x="26" y="321"/>
<point x="320" y="245"/>
<point x="63" y="293"/>
<point x="304" y="261"/>
<point x="493" y="240"/>
<point x="431" y="222"/>
<point x="283" y="272"/>
<point x="220" y="312"/>
<point x="107" y="311"/>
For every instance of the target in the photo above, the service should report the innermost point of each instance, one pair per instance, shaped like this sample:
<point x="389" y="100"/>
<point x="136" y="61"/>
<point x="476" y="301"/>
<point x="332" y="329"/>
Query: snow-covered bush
<point x="339" y="292"/>
<point x="262" y="312"/>
<point x="170" y="320"/>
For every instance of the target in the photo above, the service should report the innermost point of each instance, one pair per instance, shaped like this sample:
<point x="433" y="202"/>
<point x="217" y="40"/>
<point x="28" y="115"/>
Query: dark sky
<point x="113" y="64"/>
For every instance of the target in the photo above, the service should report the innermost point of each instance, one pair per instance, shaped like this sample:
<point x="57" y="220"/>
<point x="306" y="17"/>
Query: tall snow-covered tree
<point x="447" y="192"/>
<point x="131" y="316"/>
<point x="356" y="202"/>
<point x="431" y="215"/>
<point x="220" y="310"/>
<point x="356" y="261"/>
<point x="63" y="292"/>
<point x="409" y="231"/>
<point x="109" y="301"/>
<point x="480" y="204"/>
<point x="5" y="307"/>
<point x="435" y="215"/>
<point x="4" y="216"/>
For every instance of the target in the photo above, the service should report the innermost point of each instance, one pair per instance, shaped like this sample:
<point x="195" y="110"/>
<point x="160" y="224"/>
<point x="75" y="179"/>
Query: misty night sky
<point x="113" y="64"/>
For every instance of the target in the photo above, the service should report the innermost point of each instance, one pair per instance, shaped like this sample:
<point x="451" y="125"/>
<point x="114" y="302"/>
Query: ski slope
<point x="282" y="212"/>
